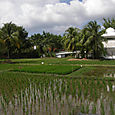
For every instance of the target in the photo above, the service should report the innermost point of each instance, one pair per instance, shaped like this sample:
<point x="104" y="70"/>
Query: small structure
<point x="110" y="44"/>
<point x="35" y="47"/>
<point x="64" y="54"/>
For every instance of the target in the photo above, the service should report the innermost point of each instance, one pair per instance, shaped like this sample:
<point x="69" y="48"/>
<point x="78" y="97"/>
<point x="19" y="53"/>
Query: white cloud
<point x="53" y="16"/>
<point x="99" y="8"/>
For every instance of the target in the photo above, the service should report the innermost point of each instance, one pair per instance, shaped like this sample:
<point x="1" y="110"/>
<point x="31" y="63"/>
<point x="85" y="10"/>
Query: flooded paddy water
<point x="22" y="94"/>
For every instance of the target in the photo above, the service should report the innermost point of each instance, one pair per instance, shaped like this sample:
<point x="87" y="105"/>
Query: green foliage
<point x="94" y="39"/>
<point x="13" y="38"/>
<point x="46" y="43"/>
<point x="87" y="40"/>
<point x="109" y="23"/>
<point x="71" y="39"/>
<point x="15" y="43"/>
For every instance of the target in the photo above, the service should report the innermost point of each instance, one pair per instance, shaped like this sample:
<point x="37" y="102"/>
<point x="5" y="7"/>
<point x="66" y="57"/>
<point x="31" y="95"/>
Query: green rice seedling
<point x="63" y="88"/>
<point x="73" y="92"/>
<point x="104" y="85"/>
<point x="27" y="102"/>
<point x="3" y="106"/>
<point x="102" y="109"/>
<point x="20" y="98"/>
<point x="79" y="92"/>
<point x="98" y="83"/>
<point x="60" y="96"/>
<point x="34" y="98"/>
<point x="13" y="113"/>
<point x="73" y="111"/>
<point x="86" y="91"/>
<point x="70" y="113"/>
<point x="47" y="94"/>
<point x="73" y="88"/>
<point x="87" y="81"/>
<point x="112" y="110"/>
<point x="87" y="108"/>
<point x="53" y="95"/>
<point x="6" y="100"/>
<point x="57" y="106"/>
<point x="23" y="107"/>
<point x="91" y="93"/>
<point x="27" y="112"/>
<point x="34" y="109"/>
<point x="82" y="109"/>
<point x="31" y="108"/>
<point x="60" y="113"/>
<point x="13" y="103"/>
<point x="94" y="110"/>
<point x="95" y="94"/>
<point x="46" y="107"/>
<point x="110" y="85"/>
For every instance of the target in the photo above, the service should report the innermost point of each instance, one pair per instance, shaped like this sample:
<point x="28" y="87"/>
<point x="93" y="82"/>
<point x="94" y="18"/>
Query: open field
<point x="29" y="87"/>
<point x="77" y="68"/>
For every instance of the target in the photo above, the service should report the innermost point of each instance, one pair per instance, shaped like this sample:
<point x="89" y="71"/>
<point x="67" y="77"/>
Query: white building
<point x="64" y="54"/>
<point x="110" y="44"/>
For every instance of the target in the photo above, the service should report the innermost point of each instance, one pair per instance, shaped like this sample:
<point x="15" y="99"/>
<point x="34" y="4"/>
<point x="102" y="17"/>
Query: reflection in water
<point x="60" y="96"/>
<point x="113" y="88"/>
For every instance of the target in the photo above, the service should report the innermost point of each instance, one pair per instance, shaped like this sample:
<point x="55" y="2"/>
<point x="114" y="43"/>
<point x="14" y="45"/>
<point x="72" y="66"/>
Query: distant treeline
<point x="15" y="43"/>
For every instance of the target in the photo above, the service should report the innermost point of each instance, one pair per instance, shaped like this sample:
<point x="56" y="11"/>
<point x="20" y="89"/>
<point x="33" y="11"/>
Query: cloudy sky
<point x="54" y="15"/>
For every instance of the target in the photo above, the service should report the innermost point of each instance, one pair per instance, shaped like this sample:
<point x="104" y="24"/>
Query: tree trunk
<point x="8" y="53"/>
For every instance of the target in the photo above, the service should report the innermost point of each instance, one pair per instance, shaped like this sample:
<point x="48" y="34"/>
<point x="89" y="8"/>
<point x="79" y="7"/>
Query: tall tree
<point x="13" y="36"/>
<point x="37" y="40"/>
<point x="94" y="39"/>
<point x="72" y="38"/>
<point x="83" y="38"/>
<point x="52" y="41"/>
<point x="2" y="47"/>
<point x="9" y="37"/>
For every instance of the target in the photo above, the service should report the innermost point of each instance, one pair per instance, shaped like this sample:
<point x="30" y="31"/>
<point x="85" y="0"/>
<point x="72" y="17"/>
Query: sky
<point x="54" y="16"/>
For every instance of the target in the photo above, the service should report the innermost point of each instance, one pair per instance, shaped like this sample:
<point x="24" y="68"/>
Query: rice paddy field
<point x="52" y="86"/>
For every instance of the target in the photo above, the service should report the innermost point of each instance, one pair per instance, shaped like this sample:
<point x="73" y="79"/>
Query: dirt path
<point x="77" y="59"/>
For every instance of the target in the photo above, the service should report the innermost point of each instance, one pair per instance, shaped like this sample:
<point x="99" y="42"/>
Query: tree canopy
<point x="15" y="43"/>
<point x="13" y="38"/>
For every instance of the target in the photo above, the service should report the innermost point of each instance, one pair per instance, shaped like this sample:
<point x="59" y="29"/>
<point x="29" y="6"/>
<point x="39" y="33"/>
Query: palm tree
<point x="2" y="48"/>
<point x="71" y="39"/>
<point x="109" y="23"/>
<point x="94" y="39"/>
<point x="83" y="39"/>
<point x="9" y="37"/>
